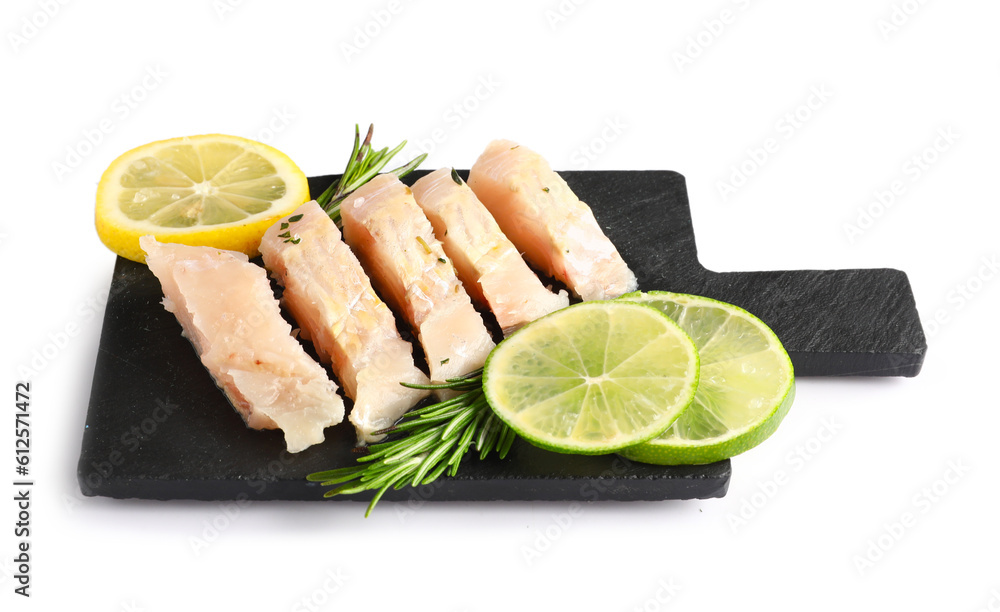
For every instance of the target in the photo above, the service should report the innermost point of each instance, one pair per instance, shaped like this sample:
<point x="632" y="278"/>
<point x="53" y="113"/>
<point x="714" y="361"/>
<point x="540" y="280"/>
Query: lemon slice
<point x="745" y="388"/>
<point x="209" y="190"/>
<point x="592" y="378"/>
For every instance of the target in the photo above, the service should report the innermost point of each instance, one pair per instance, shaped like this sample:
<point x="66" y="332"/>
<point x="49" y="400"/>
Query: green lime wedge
<point x="592" y="378"/>
<point x="746" y="383"/>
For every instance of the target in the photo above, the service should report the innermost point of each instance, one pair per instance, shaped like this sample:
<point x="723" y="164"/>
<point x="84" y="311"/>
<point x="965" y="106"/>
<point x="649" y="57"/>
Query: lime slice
<point x="592" y="378"/>
<point x="746" y="384"/>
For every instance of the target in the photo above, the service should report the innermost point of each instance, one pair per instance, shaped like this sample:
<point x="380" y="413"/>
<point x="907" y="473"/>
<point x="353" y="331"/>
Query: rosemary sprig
<point x="425" y="443"/>
<point x="362" y="166"/>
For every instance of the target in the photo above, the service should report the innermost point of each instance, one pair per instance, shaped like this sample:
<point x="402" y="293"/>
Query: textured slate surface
<point x="158" y="428"/>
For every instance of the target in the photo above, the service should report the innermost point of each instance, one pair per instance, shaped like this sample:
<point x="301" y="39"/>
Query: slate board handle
<point x="860" y="322"/>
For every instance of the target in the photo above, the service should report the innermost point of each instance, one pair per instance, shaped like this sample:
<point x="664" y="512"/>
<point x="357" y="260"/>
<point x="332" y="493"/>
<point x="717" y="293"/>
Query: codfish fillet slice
<point x="542" y="216"/>
<point x="487" y="262"/>
<point x="227" y="310"/>
<point x="332" y="300"/>
<point x="396" y="245"/>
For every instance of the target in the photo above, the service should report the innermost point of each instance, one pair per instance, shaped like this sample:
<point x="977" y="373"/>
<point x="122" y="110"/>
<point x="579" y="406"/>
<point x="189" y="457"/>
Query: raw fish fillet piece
<point x="542" y="216"/>
<point x="395" y="242"/>
<point x="487" y="263"/>
<point x="227" y="310"/>
<point x="331" y="298"/>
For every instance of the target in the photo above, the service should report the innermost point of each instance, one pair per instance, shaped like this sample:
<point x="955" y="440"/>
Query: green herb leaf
<point x="425" y="443"/>
<point x="362" y="165"/>
<point x="455" y="177"/>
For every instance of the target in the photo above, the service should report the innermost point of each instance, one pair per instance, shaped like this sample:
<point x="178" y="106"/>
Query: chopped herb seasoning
<point x="288" y="235"/>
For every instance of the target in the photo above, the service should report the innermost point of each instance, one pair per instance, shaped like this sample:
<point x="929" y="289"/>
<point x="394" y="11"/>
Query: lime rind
<point x="696" y="452"/>
<point x="702" y="434"/>
<point x="597" y="411"/>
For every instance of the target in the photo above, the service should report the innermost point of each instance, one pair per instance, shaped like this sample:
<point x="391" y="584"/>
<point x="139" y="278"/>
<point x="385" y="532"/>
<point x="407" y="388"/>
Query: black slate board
<point x="158" y="428"/>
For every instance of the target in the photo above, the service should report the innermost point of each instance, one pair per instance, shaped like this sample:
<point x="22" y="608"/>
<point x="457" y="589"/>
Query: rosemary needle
<point x="425" y="444"/>
<point x="362" y="166"/>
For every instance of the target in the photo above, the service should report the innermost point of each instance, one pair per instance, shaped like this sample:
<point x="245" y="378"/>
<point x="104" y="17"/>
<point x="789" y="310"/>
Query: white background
<point x="561" y="74"/>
